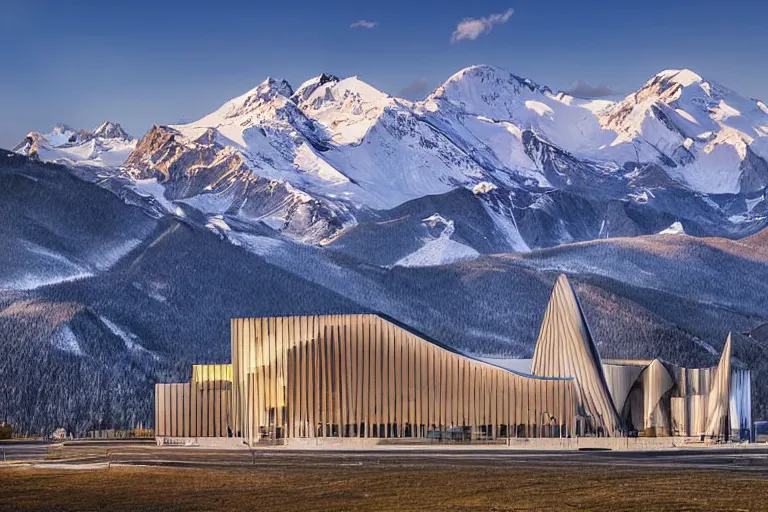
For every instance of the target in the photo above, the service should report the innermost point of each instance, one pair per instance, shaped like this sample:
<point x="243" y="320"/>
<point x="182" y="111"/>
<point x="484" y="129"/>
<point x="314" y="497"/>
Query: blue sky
<point x="139" y="62"/>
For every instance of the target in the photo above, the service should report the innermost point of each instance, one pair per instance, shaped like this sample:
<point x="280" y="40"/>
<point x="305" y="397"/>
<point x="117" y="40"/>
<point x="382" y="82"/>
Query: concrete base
<point x="581" y="443"/>
<point x="220" y="443"/>
<point x="605" y="443"/>
<point x="514" y="444"/>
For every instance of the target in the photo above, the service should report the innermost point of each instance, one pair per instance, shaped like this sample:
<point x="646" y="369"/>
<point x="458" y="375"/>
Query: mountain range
<point x="125" y="258"/>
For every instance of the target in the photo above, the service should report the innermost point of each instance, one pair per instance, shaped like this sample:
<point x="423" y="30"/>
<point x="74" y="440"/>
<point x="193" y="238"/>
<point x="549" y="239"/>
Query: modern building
<point x="368" y="376"/>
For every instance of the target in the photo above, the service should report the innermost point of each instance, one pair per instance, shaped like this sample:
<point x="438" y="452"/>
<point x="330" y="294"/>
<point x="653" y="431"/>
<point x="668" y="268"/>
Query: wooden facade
<point x="199" y="408"/>
<point x="365" y="376"/>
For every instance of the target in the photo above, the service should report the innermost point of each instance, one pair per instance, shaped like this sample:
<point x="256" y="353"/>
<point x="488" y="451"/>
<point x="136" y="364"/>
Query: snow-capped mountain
<point x="109" y="145"/>
<point x="709" y="137"/>
<point x="336" y="160"/>
<point x="110" y="130"/>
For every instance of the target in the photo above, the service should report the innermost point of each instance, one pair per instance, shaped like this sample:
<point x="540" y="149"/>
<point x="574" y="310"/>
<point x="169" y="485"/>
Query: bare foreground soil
<point x="312" y="487"/>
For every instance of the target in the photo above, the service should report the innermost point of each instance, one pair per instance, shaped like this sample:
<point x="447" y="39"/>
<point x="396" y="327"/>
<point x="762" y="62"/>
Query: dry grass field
<point x="392" y="487"/>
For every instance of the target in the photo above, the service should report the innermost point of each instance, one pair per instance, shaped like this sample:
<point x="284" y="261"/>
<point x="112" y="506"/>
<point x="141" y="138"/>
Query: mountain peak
<point x="110" y="130"/>
<point x="667" y="86"/>
<point x="684" y="77"/>
<point x="268" y="90"/>
<point x="487" y="72"/>
<point x="59" y="135"/>
<point x="352" y="94"/>
<point x="488" y="81"/>
<point x="306" y="89"/>
<point x="278" y="85"/>
<point x="62" y="128"/>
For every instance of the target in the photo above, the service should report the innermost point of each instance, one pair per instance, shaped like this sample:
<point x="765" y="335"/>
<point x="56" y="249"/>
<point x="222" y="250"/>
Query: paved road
<point x="23" y="451"/>
<point x="751" y="459"/>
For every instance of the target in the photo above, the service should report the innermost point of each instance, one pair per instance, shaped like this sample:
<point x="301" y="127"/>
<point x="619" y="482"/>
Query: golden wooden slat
<point x="440" y="389"/>
<point x="519" y="409"/>
<point x="312" y="377"/>
<point x="375" y="375"/>
<point x="272" y="405"/>
<point x="400" y="386"/>
<point x="427" y="408"/>
<point x="485" y="397"/>
<point x="181" y="413"/>
<point x="453" y="383"/>
<point x="341" y="333"/>
<point x="304" y="369"/>
<point x="213" y="396"/>
<point x="337" y="378"/>
<point x="372" y="360"/>
<point x="322" y="379"/>
<point x="347" y="333"/>
<point x="326" y="378"/>
<point x="196" y="409"/>
<point x="471" y="389"/>
<point x="280" y="382"/>
<point x="353" y="371"/>
<point x="167" y="394"/>
<point x="187" y="409"/>
<point x="508" y="404"/>
<point x="295" y="355"/>
<point x="420" y="387"/>
<point x="159" y="428"/>
<point x="290" y="388"/>
<point x="391" y="390"/>
<point x="332" y="377"/>
<point x="365" y="378"/>
<point x="173" y="411"/>
<point x="493" y="398"/>
<point x="160" y="408"/>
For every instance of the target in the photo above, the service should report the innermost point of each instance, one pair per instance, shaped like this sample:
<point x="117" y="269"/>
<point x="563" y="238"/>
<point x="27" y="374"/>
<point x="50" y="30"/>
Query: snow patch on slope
<point x="675" y="229"/>
<point x="65" y="340"/>
<point x="130" y="339"/>
<point x="50" y="268"/>
<point x="706" y="346"/>
<point x="483" y="187"/>
<point x="217" y="224"/>
<point x="150" y="188"/>
<point x="441" y="250"/>
<point x="507" y="225"/>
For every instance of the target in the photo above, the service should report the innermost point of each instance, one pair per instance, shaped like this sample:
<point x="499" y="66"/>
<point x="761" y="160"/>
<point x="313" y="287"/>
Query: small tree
<point x="6" y="431"/>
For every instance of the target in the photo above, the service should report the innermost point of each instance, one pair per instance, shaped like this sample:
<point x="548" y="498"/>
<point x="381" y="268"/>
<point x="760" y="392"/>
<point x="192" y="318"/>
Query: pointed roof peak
<point x="727" y="347"/>
<point x="718" y="424"/>
<point x="562" y="280"/>
<point x="565" y="348"/>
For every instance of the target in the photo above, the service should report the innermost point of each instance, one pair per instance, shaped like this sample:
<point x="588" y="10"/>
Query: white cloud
<point x="363" y="24"/>
<point x="472" y="28"/>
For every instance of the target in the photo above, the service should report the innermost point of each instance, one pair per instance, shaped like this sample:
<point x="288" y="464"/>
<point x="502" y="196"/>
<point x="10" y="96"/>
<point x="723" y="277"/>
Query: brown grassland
<point x="312" y="487"/>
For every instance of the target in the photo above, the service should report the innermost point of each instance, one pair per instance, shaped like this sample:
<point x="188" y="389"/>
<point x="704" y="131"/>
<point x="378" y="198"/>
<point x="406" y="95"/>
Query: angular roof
<point x="719" y="394"/>
<point x="565" y="348"/>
